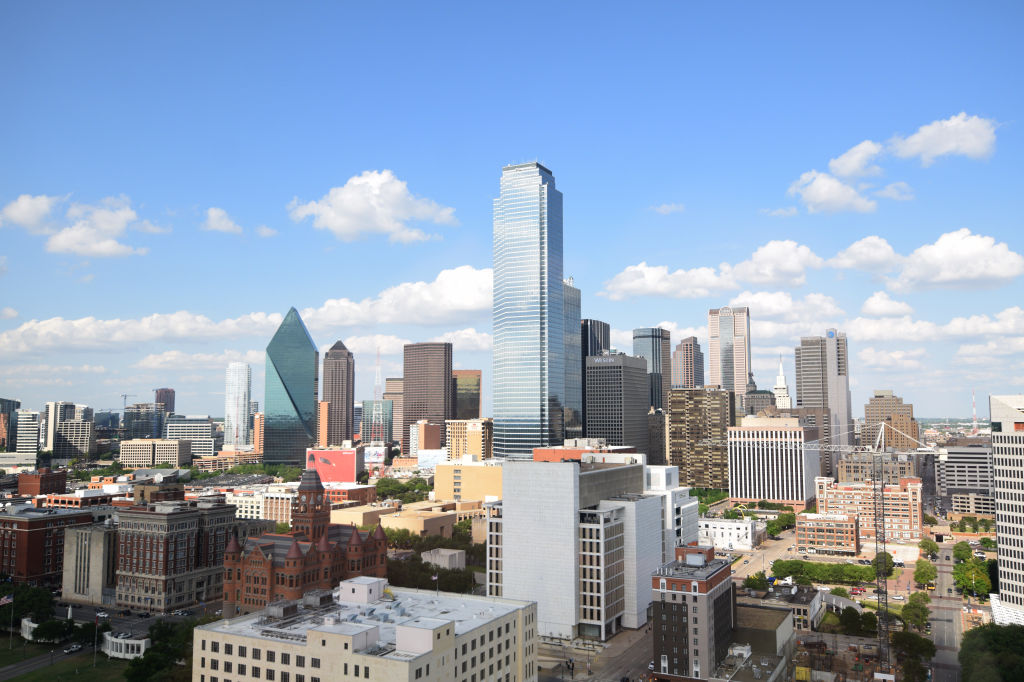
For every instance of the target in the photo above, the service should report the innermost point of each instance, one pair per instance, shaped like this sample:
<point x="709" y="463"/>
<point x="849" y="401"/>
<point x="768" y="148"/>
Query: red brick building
<point x="42" y="482"/>
<point x="32" y="542"/>
<point x="316" y="554"/>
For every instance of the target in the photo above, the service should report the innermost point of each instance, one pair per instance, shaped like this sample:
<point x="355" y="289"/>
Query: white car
<point x="102" y="614"/>
<point x="899" y="597"/>
<point x="650" y="666"/>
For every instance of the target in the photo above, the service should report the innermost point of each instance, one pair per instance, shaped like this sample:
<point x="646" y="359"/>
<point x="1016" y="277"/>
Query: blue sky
<point x="175" y="176"/>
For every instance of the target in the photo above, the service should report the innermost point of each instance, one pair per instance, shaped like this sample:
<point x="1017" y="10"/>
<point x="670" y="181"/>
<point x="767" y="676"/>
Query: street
<point x="946" y="607"/>
<point x="627" y="655"/>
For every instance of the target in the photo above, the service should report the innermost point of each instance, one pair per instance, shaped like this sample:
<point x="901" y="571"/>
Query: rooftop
<point x="29" y="511"/>
<point x="680" y="569"/>
<point x="759" y="618"/>
<point x="380" y="619"/>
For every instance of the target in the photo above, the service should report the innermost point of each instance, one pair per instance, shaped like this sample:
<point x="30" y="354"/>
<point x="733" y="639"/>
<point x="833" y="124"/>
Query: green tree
<point x="756" y="581"/>
<point x="702" y="509"/>
<point x="282" y="527"/>
<point x="928" y="546"/>
<point x="732" y="514"/>
<point x="991" y="649"/>
<point x="925" y="572"/>
<point x="993" y="574"/>
<point x="849" y="618"/>
<point x="988" y="543"/>
<point x="840" y="592"/>
<point x="930" y="520"/>
<point x="962" y="551"/>
<point x="868" y="622"/>
<point x="922" y="598"/>
<point x="972" y="576"/>
<point x="363" y="477"/>
<point x="53" y="630"/>
<point x="916" y="614"/>
<point x="986" y="525"/>
<point x="883" y="564"/>
<point x="911" y="651"/>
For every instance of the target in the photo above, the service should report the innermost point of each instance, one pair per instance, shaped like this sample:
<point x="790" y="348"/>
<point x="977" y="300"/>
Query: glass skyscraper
<point x="237" y="399"/>
<point x="573" y="361"/>
<point x="290" y="403"/>
<point x="595" y="338"/>
<point x="654" y="344"/>
<point x="529" y="327"/>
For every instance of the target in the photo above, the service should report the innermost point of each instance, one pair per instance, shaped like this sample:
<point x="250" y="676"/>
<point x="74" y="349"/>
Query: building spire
<point x="782" y="399"/>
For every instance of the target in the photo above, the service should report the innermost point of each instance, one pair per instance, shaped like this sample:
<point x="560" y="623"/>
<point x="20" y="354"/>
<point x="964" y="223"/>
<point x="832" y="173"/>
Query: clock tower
<point x="311" y="512"/>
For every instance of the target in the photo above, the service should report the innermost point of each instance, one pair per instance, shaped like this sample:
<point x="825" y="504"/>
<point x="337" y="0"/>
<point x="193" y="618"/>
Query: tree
<point x="883" y="564"/>
<point x="53" y="630"/>
<point x="732" y="514"/>
<point x="992" y="649"/>
<point x="363" y="477"/>
<point x="916" y="614"/>
<point x="986" y="525"/>
<point x="911" y="650"/>
<point x="281" y="527"/>
<point x="840" y="592"/>
<point x="930" y="520"/>
<point x="803" y="580"/>
<point x="962" y="551"/>
<point x="928" y="546"/>
<point x="988" y="543"/>
<point x="925" y="572"/>
<point x="756" y="581"/>
<point x="972" y="576"/>
<point x="868" y="622"/>
<point x="850" y="620"/>
<point x="919" y="598"/>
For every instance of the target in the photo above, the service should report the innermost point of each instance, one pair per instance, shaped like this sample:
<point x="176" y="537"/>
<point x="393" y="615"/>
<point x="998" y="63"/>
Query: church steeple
<point x="311" y="513"/>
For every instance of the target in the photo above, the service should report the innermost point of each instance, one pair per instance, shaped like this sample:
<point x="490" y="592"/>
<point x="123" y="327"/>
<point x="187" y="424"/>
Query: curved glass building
<point x="529" y="326"/>
<point x="290" y="403"/>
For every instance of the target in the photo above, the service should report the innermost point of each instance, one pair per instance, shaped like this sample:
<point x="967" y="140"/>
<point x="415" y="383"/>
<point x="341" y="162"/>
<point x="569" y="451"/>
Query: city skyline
<point x="895" y="224"/>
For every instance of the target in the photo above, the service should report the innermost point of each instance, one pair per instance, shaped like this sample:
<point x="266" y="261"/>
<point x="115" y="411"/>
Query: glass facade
<point x="143" y="420"/>
<point x="466" y="388"/>
<point x="377" y="421"/>
<point x="290" y="403"/>
<point x="573" y="361"/>
<point x="595" y="338"/>
<point x="237" y="399"/>
<point x="529" y="344"/>
<point x="654" y="345"/>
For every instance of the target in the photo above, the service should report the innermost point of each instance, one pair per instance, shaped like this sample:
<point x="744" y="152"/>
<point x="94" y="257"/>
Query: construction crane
<point x="124" y="400"/>
<point x="877" y="450"/>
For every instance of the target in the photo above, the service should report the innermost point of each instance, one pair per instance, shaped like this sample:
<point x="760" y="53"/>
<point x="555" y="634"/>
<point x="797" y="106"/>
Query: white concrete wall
<point x="642" y="526"/>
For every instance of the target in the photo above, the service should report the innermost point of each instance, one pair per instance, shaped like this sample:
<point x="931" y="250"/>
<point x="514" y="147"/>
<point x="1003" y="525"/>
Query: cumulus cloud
<point x="970" y="136"/>
<point x="8" y="313"/>
<point x="880" y="305"/>
<point x="856" y="161"/>
<point x="897" y="191"/>
<point x="179" y="360"/>
<point x="90" y="332"/>
<point x="666" y="209"/>
<point x="29" y="211"/>
<point x="786" y="212"/>
<point x="375" y="202"/>
<point x="824" y="193"/>
<point x="1008" y="322"/>
<point x="96" y="229"/>
<point x="782" y="305"/>
<point x="368" y="345"/>
<point x="891" y="329"/>
<point x="264" y="231"/>
<point x="869" y="253"/>
<point x="468" y="339"/>
<point x="874" y="358"/>
<point x="621" y="340"/>
<point x="458" y="293"/>
<point x="218" y="220"/>
<point x="990" y="352"/>
<point x="958" y="259"/>
<point x="778" y="263"/>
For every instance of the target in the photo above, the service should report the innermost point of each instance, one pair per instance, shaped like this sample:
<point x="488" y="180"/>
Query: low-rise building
<point x="32" y="541"/>
<point x="366" y="630"/>
<point x="227" y="459"/>
<point x="143" y="453"/>
<point x="42" y="482"/>
<point x="858" y="467"/>
<point x="828" y="534"/>
<point x="693" y="607"/>
<point x="337" y="464"/>
<point x="451" y="559"/>
<point x="731" y="535"/>
<point x="83" y="497"/>
<point x="115" y="646"/>
<point x="903" y="505"/>
<point x="468" y="480"/>
<point x="803" y="601"/>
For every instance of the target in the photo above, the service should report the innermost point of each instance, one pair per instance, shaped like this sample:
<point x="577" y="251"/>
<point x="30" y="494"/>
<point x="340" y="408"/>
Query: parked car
<point x="102" y="614"/>
<point x="898" y="597"/>
<point x="73" y="648"/>
<point x="650" y="666"/>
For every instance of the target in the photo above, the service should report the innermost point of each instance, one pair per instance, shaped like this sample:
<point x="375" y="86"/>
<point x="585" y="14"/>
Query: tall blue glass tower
<point x="290" y="403"/>
<point x="529" y="323"/>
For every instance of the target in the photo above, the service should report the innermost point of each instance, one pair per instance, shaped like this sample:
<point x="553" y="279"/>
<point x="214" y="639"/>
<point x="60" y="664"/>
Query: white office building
<point x="1007" y="418"/>
<point x="237" y="406"/>
<point x="195" y="428"/>
<point x="679" y="507"/>
<point x="730" y="535"/>
<point x="769" y="459"/>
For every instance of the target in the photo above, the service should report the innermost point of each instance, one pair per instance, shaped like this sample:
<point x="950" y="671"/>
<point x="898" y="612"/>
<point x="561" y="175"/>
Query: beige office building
<point x="366" y="630"/>
<point x="885" y="407"/>
<point x="472" y="437"/>
<point x="858" y="467"/>
<point x="698" y="426"/>
<point x="468" y="480"/>
<point x="142" y="453"/>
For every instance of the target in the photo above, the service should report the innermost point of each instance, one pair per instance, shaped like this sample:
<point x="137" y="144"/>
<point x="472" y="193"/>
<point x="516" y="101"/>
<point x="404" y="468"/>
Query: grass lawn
<point x="77" y="667"/>
<point x="21" y="650"/>
<point x="830" y="623"/>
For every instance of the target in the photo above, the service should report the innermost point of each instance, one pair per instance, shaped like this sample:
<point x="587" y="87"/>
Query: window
<point x="300" y="661"/>
<point x="255" y="654"/>
<point x="214" y="647"/>
<point x="270" y="673"/>
<point x="419" y="673"/>
<point x="285" y="676"/>
<point x="256" y="673"/>
<point x="300" y="678"/>
<point x="241" y="669"/>
<point x="203" y="645"/>
<point x="270" y="656"/>
<point x="214" y="663"/>
<point x="227" y="666"/>
<point x="315" y="662"/>
<point x="286" y="659"/>
<point x="366" y="672"/>
<point x="241" y="652"/>
<point x="227" y="649"/>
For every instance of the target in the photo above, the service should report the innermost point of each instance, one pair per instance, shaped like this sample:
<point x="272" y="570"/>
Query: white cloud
<point x="468" y="339"/>
<point x="891" y="329"/>
<point x="149" y="228"/>
<point x="375" y="202"/>
<point x="457" y="293"/>
<point x="990" y="352"/>
<point x="8" y="313"/>
<point x="781" y="305"/>
<point x="787" y="212"/>
<point x="89" y="332"/>
<point x="95" y="230"/>
<point x="265" y="231"/>
<point x="824" y="193"/>
<point x="29" y="211"/>
<point x="959" y="259"/>
<point x="218" y="220"/>
<point x="781" y="263"/>
<point x="874" y="358"/>
<point x="1008" y="322"/>
<point x="880" y="305"/>
<point x="869" y="253"/>
<point x="368" y="345"/>
<point x="897" y="191"/>
<point x="622" y="340"/>
<point x="969" y="136"/>
<point x="666" y="209"/>
<point x="855" y="161"/>
<point x="178" y="360"/>
<point x="44" y="369"/>
<point x="679" y="333"/>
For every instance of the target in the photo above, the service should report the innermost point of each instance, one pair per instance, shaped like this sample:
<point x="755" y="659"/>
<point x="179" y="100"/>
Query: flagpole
<point x="10" y="634"/>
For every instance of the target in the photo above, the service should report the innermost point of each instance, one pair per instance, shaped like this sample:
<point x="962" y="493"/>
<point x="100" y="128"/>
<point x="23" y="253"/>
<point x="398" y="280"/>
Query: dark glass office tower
<point x="595" y="338"/>
<point x="466" y="385"/>
<point x="427" y="386"/>
<point x="339" y="392"/>
<point x="654" y="344"/>
<point x="574" y="366"/>
<point x="290" y="403"/>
